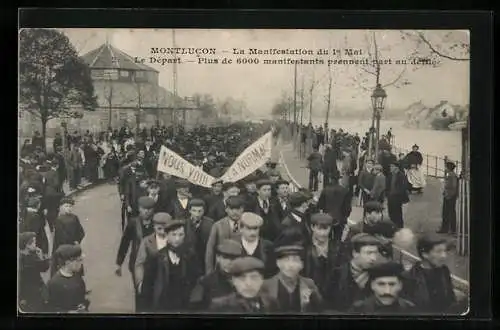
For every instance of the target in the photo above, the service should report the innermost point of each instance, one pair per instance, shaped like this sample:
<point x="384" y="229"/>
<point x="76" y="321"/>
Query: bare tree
<point x="451" y="45"/>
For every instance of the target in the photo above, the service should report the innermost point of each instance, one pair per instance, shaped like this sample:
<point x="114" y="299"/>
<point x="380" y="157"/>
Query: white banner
<point x="173" y="164"/>
<point x="251" y="159"/>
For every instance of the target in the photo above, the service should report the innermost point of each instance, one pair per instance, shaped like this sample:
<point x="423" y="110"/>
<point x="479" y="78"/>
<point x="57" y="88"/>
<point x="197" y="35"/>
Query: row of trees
<point x="422" y="49"/>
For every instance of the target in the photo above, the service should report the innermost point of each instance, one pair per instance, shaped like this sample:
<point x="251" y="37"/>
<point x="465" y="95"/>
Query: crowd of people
<point x="250" y="247"/>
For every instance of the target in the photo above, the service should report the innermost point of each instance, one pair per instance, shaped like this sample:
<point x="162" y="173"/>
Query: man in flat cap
<point x="350" y="281"/>
<point x="217" y="210"/>
<point x="263" y="207"/>
<point x="198" y="227"/>
<point x="293" y="292"/>
<point x="215" y="194"/>
<point x="450" y="195"/>
<point x="32" y="262"/>
<point x="247" y="279"/>
<point x="145" y="267"/>
<point x="428" y="283"/>
<point x="178" y="207"/>
<point x="66" y="289"/>
<point x="315" y="165"/>
<point x="227" y="227"/>
<point x="336" y="201"/>
<point x="386" y="284"/>
<point x="297" y="218"/>
<point x="280" y="201"/>
<point x="137" y="228"/>
<point x="176" y="272"/>
<point x="253" y="245"/>
<point x="67" y="227"/>
<point x="397" y="194"/>
<point x="321" y="252"/>
<point x="153" y="191"/>
<point x="249" y="191"/>
<point x="217" y="283"/>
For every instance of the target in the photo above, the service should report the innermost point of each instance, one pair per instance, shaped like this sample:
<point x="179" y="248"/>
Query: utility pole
<point x="294" y="99"/>
<point x="311" y="99"/>
<point x="330" y="79"/>
<point x="174" y="72"/>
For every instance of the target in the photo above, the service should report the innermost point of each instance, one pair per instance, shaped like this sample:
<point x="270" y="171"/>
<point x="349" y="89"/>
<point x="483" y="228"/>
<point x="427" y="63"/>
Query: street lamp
<point x="378" y="102"/>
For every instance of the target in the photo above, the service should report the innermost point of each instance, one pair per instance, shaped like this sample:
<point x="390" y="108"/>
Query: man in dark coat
<point x="136" y="230"/>
<point x="178" y="207"/>
<point x="217" y="283"/>
<point x="198" y="228"/>
<point x="386" y="285"/>
<point x="428" y="283"/>
<point x="249" y="193"/>
<point x="330" y="169"/>
<point x="366" y="180"/>
<point x="297" y="218"/>
<point x="217" y="210"/>
<point x="397" y="195"/>
<point x="350" y="279"/>
<point x="248" y="298"/>
<point x="176" y="272"/>
<point x="336" y="201"/>
<point x="315" y="165"/>
<point x="51" y="190"/>
<point x="134" y="176"/>
<point x="280" y="201"/>
<point x="32" y="262"/>
<point x="263" y="207"/>
<point x="215" y="194"/>
<point x="34" y="222"/>
<point x="450" y="195"/>
<point x="378" y="190"/>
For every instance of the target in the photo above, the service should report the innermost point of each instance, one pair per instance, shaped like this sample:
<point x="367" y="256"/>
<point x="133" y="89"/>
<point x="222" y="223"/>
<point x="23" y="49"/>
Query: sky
<point x="262" y="85"/>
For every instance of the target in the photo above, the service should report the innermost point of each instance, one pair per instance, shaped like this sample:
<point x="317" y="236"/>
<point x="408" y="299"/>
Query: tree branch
<point x="435" y="51"/>
<point x="396" y="79"/>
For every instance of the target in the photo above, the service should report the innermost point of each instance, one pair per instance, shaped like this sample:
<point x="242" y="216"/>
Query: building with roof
<point x="127" y="92"/>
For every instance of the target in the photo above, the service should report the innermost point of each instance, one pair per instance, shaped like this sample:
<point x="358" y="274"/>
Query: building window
<point x="110" y="74"/>
<point x="139" y="74"/>
<point x="124" y="73"/>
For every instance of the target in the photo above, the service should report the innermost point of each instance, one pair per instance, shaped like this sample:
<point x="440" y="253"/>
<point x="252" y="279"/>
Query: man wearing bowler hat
<point x="247" y="279"/>
<point x="137" y="228"/>
<point x="385" y="282"/>
<point x="145" y="267"/>
<point x="217" y="283"/>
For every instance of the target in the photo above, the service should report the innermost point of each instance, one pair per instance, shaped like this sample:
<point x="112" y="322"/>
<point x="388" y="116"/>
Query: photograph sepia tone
<point x="245" y="171"/>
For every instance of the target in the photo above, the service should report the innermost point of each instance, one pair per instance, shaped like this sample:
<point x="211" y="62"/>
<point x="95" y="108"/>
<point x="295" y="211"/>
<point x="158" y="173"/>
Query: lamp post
<point x="378" y="102"/>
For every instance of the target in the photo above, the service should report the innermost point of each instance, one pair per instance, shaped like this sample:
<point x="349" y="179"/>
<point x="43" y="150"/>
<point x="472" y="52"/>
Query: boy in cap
<point x="227" y="227"/>
<point x="253" y="245"/>
<point x="217" y="210"/>
<point x="428" y="283"/>
<point x="262" y="206"/>
<point x="67" y="227"/>
<point x="178" y="207"/>
<point x="293" y="292"/>
<point x="66" y="289"/>
<point x="176" y="271"/>
<point x="450" y="195"/>
<point x="34" y="222"/>
<point x="137" y="228"/>
<point x="280" y="201"/>
<point x="216" y="283"/>
<point x="249" y="191"/>
<point x="247" y="279"/>
<point x="198" y="228"/>
<point x="32" y="262"/>
<point x="297" y="218"/>
<point x="145" y="267"/>
<point x="322" y="254"/>
<point x="377" y="193"/>
<point x="386" y="284"/>
<point x="350" y="281"/>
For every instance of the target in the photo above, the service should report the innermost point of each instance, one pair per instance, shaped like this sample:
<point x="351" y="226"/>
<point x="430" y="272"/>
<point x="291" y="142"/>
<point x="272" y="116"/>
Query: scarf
<point x="298" y="213"/>
<point x="321" y="248"/>
<point x="359" y="275"/>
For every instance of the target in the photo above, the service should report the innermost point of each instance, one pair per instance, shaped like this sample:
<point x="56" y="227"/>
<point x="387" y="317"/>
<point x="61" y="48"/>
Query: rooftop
<point x="109" y="57"/>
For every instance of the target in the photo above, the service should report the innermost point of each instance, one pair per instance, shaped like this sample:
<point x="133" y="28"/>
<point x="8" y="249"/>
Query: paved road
<point x="99" y="211"/>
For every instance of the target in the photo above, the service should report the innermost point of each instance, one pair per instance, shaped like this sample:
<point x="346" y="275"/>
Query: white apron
<point x="416" y="177"/>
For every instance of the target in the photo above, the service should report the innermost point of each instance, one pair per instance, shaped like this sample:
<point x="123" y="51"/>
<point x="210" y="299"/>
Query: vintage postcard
<point x="244" y="171"/>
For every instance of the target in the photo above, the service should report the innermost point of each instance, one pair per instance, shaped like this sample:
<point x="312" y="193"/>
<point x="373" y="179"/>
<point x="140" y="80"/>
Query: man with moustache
<point x="198" y="229"/>
<point x="227" y="227"/>
<point x="145" y="263"/>
<point x="350" y="280"/>
<point x="176" y="271"/>
<point x="253" y="245"/>
<point x="178" y="205"/>
<point x="293" y="292"/>
<point x="137" y="229"/>
<point x="428" y="283"/>
<point x="249" y="297"/>
<point x="280" y="201"/>
<point x="217" y="210"/>
<point x="386" y="285"/>
<point x="262" y="206"/>
<point x="321" y="255"/>
<point x="217" y="283"/>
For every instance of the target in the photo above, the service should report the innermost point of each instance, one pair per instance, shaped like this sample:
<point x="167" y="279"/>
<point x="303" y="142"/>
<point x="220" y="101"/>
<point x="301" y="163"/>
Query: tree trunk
<point x="44" y="132"/>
